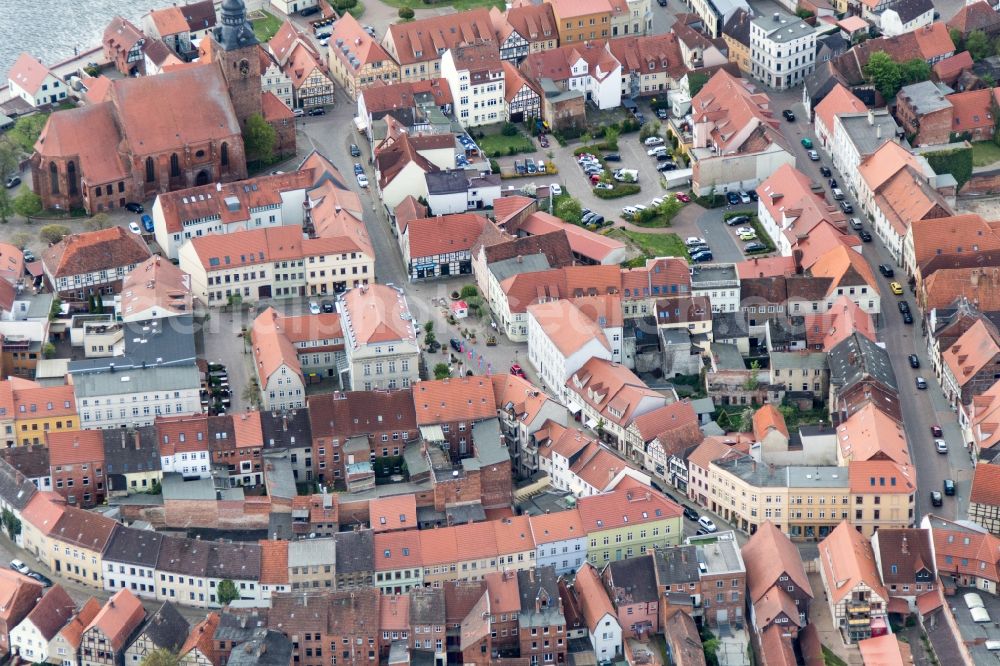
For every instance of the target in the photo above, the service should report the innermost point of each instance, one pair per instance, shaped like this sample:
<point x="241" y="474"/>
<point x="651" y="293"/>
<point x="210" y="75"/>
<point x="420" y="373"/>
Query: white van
<point x="838" y="194"/>
<point x="856" y="224"/>
<point x="628" y="212"/>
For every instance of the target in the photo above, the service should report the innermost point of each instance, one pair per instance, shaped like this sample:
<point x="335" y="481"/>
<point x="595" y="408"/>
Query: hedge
<point x="957" y="162"/>
<point x="621" y="190"/>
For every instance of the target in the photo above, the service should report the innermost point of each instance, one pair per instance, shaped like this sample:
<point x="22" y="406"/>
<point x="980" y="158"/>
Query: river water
<point x="50" y="29"/>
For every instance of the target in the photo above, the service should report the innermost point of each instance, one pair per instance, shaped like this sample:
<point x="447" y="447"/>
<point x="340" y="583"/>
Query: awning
<point x="591" y="423"/>
<point x="432" y="433"/>
<point x="897" y="605"/>
<point x="573" y="408"/>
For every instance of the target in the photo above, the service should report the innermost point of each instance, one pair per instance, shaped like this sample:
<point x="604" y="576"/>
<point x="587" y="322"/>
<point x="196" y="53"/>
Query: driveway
<point x="721" y="238"/>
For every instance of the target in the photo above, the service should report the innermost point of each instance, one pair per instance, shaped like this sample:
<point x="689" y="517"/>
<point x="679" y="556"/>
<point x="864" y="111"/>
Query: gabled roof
<point x="156" y="283"/>
<point x="885" y="650"/>
<point x="376" y="313"/>
<point x="971" y="353"/>
<point x="426" y="39"/>
<point x="362" y="46"/>
<point x="593" y="597"/>
<point x="769" y="554"/>
<point x="766" y="419"/>
<point x="167" y="628"/>
<point x="596" y="247"/>
<point x="75" y="447"/>
<point x="646" y="54"/>
<point x="29" y="73"/>
<point x="903" y="553"/>
<point x="391" y="160"/>
<point x="560" y="526"/>
<point x="955" y="234"/>
<point x="567" y="9"/>
<point x="977" y="15"/>
<point x="839" y="100"/>
<point x="94" y="251"/>
<point x="533" y="22"/>
<point x="467" y="399"/>
<point x="393" y="513"/>
<point x="610" y="387"/>
<point x="618" y="508"/>
<point x="272" y="349"/>
<point x="871" y="434"/>
<point x="728" y="104"/>
<point x="847" y="560"/>
<point x="84" y="529"/>
<point x="973" y="109"/>
<point x="73" y="631"/>
<point x="933" y="41"/>
<point x="965" y="548"/>
<point x="53" y="612"/>
<point x="844" y="318"/>
<point x="443" y="234"/>
<point x="986" y="485"/>
<point x="565" y="325"/>
<point x="119" y="618"/>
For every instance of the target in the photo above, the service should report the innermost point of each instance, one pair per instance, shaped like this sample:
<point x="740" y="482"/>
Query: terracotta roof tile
<point x="73" y="631"/>
<point x="448" y="400"/>
<point x="934" y="41"/>
<point x="44" y="511"/>
<point x="637" y="53"/>
<point x="607" y="387"/>
<point x="566" y="9"/>
<point x="411" y="209"/>
<point x="665" y="421"/>
<point x="156" y="283"/>
<point x="977" y="347"/>
<point x="718" y="448"/>
<point x="952" y="235"/>
<point x="886" y="161"/>
<point x="986" y="485"/>
<point x="53" y="612"/>
<point x="788" y="197"/>
<point x="845" y="268"/>
<point x="513" y="535"/>
<point x="965" y="549"/>
<point x="885" y="650"/>
<point x="566" y="326"/>
<point x="523" y="289"/>
<point x="34" y="402"/>
<point x="94" y="251"/>
<point x="593" y="597"/>
<point x="362" y="45"/>
<point x="837" y="101"/>
<point x="768" y="418"/>
<point x="272" y="348"/>
<point x="84" y="529"/>
<point x="424" y="39"/>
<point x="776" y="647"/>
<point x="760" y="267"/>
<point x="977" y="15"/>
<point x="202" y="636"/>
<point x="391" y="160"/>
<point x="393" y="513"/>
<point x="75" y="447"/>
<point x="169" y="21"/>
<point x="769" y="554"/>
<point x="29" y="73"/>
<point x="443" y="234"/>
<point x="828" y="329"/>
<point x="534" y="23"/>
<point x="944" y="286"/>
<point x="394" y="612"/>
<point x="727" y="102"/>
<point x="951" y="68"/>
<point x="376" y="313"/>
<point x="972" y="109"/>
<point x="401" y="549"/>
<point x="871" y="434"/>
<point x="625" y="507"/>
<point x="381" y="97"/>
<point x="865" y="476"/>
<point x="560" y="526"/>
<point x="120" y="616"/>
<point x="904" y="553"/>
<point x="273" y="562"/>
<point x="986" y="417"/>
<point x="848" y="560"/>
<point x="583" y="242"/>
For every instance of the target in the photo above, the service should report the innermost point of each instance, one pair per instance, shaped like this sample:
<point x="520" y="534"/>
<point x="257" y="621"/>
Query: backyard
<point x="265" y="25"/>
<point x="652" y="245"/>
<point x="985" y="153"/>
<point x="498" y="145"/>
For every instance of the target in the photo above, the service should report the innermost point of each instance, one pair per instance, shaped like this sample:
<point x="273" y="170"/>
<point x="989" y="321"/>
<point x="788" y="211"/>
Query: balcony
<point x="858" y="607"/>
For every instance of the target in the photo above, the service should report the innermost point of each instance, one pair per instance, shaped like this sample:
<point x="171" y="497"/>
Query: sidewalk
<point x="829" y="635"/>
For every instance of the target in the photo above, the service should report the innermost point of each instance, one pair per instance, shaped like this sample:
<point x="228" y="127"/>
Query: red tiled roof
<point x="593" y="597"/>
<point x="767" y="418"/>
<point x="119" y="617"/>
<point x="973" y="109"/>
<point x="934" y="41"/>
<point x="75" y="447"/>
<point x="467" y="399"/>
<point x="848" y="561"/>
<point x="443" y="234"/>
<point x="769" y="554"/>
<point x="94" y="251"/>
<point x="837" y="101"/>
<point x="986" y="485"/>
<point x="273" y="562"/>
<point x="424" y="39"/>
<point x="393" y="513"/>
<point x="624" y="507"/>
<point x="29" y="73"/>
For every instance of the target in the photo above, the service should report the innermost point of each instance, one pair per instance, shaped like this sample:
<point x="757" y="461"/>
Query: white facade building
<point x="476" y="78"/>
<point x="379" y="337"/>
<point x="782" y="50"/>
<point x="133" y="397"/>
<point x="560" y="340"/>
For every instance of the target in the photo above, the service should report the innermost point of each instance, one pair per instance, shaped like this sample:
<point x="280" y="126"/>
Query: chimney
<point x="520" y="259"/>
<point x="878" y="131"/>
<point x="871" y="116"/>
<point x="852" y="358"/>
<point x="138" y="440"/>
<point x="111" y="603"/>
<point x="904" y="547"/>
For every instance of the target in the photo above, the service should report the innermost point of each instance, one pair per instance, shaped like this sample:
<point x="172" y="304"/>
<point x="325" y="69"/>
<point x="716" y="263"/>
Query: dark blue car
<point x="147" y="223"/>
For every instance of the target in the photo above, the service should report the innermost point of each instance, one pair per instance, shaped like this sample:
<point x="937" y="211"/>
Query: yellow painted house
<point x="41" y="409"/>
<point x="628" y="521"/>
<point x="69" y="540"/>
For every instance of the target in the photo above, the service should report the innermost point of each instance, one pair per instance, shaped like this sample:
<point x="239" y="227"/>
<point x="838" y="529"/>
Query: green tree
<point x="430" y="338"/>
<point x="259" y="139"/>
<point x="649" y="129"/>
<point x="469" y="291"/>
<point x="160" y="657"/>
<point x="99" y="302"/>
<point x="746" y="420"/>
<point x="53" y="233"/>
<point x="9" y="154"/>
<point x="27" y="203"/>
<point x="956" y="38"/>
<point x="978" y="45"/>
<point x="753" y="381"/>
<point x="227" y="592"/>
<point x="441" y="371"/>
<point x="711" y="650"/>
<point x="429" y="327"/>
<point x="98" y="222"/>
<point x="49" y="350"/>
<point x="696" y="82"/>
<point x="26" y="131"/>
<point x="611" y="135"/>
<point x="568" y="209"/>
<point x="723" y="421"/>
<point x="11" y="523"/>
<point x="56" y="309"/>
<point x="406" y="13"/>
<point x="914" y="71"/>
<point x="884" y="73"/>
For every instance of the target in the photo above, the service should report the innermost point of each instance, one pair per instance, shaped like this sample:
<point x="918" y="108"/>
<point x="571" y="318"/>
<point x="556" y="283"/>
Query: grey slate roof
<point x="797" y="360"/>
<point x="311" y="552"/>
<point x="787" y="28"/>
<point x="183" y="556"/>
<point x="241" y="627"/>
<point x="676" y="565"/>
<point x="911" y="9"/>
<point x="266" y="648"/>
<point x="427" y="606"/>
<point x="167" y="628"/>
<point x="132" y="546"/>
<point x="237" y="561"/>
<point x="857" y="358"/>
<point x="446" y="182"/>
<point x="15" y="489"/>
<point x="530" y="263"/>
<point x="140" y="380"/>
<point x="289" y="430"/>
<point x="867" y="136"/>
<point x="532" y="584"/>
<point x="355" y="551"/>
<point x="155" y="342"/>
<point x="925" y="97"/>
<point x="636" y="577"/>
<point x="127" y="452"/>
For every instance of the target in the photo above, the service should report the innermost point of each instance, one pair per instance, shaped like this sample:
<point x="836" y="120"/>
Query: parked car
<point x="665" y="158"/>
<point x="865" y="236"/>
<point x="530" y="165"/>
<point x="914" y="361"/>
<point x="653" y="141"/>
<point x="518" y="167"/>
<point x="825" y="171"/>
<point x="317" y="111"/>
<point x="737" y="219"/>
<point x="328" y="306"/>
<point x="837" y="193"/>
<point x="314" y="307"/>
<point x="41" y="578"/>
<point x="662" y="113"/>
<point x="949" y="486"/>
<point x="788" y="115"/>
<point x="555" y="189"/>
<point x="832" y="182"/>
<point x="517" y="371"/>
<point x="753" y="195"/>
<point x="702" y="255"/>
<point x="134" y="207"/>
<point x="543" y="141"/>
<point x="29" y="256"/>
<point x="884" y="269"/>
<point x="683" y="197"/>
<point x="744" y="197"/>
<point x="807" y="143"/>
<point x="903" y="306"/>
<point x="134" y="228"/>
<point x="936" y="431"/>
<point x="147" y="223"/>
<point x="585" y="219"/>
<point x="755" y="246"/>
<point x="936" y="499"/>
<point x="13" y="181"/>
<point x="747" y="235"/>
<point x="358" y="168"/>
<point x="19" y="566"/>
<point x="309" y="11"/>
<point x="847" y="207"/>
<point x="896" y="288"/>
<point x="814" y="156"/>
<point x="355" y="151"/>
<point x="733" y="198"/>
<point x="666" y="166"/>
<point x="940" y="446"/>
<point x="298" y="113"/>
<point x="612" y="157"/>
<point x="658" y="150"/>
<point x="745" y="230"/>
<point x="907" y="318"/>
<point x="362" y="180"/>
<point x="691" y="241"/>
<point x="707" y="523"/>
<point x="604" y="186"/>
<point x="921" y="383"/>
<point x="455" y="344"/>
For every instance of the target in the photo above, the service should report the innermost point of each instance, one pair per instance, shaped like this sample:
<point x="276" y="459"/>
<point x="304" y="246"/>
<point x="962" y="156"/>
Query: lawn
<point x="499" y="145"/>
<point x="457" y="4"/>
<point x="831" y="659"/>
<point x="985" y="153"/>
<point x="265" y="26"/>
<point x="653" y="245"/>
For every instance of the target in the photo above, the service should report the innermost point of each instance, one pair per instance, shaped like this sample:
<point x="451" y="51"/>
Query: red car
<point x="516" y="370"/>
<point x="936" y="430"/>
<point x="683" y="197"/>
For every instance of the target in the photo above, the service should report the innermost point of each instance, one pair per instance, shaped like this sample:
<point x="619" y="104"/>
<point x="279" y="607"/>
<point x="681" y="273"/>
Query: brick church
<point x="155" y="134"/>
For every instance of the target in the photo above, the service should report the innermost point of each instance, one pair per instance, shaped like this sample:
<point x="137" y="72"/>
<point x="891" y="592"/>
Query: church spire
<point x="236" y="31"/>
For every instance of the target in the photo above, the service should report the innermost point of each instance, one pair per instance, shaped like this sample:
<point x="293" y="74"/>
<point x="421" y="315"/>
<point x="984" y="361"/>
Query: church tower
<point x="235" y="49"/>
